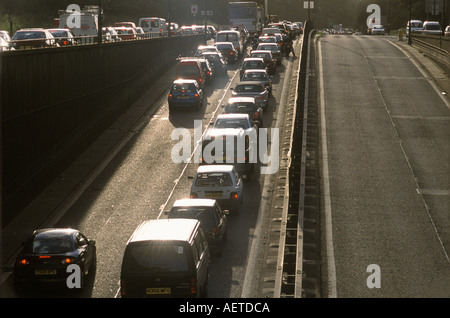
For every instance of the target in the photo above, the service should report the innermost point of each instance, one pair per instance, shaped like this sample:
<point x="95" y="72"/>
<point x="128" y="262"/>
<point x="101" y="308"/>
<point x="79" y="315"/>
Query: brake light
<point x="44" y="256"/>
<point x="193" y="285"/>
<point x="67" y="261"/>
<point x="256" y="115"/>
<point x="215" y="231"/>
<point x="24" y="261"/>
<point x="123" y="287"/>
<point x="170" y="96"/>
<point x="196" y="96"/>
<point x="234" y="196"/>
<point x="194" y="195"/>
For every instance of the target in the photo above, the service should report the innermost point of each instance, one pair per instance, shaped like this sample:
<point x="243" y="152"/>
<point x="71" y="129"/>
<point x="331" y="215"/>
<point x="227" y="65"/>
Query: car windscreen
<point x="203" y="214"/>
<point x="254" y="77"/>
<point x="213" y="179"/>
<point x="160" y="257"/>
<point x="59" y="34"/>
<point x="253" y="64"/>
<point x="188" y="70"/>
<point x="52" y="245"/>
<point x="248" y="88"/>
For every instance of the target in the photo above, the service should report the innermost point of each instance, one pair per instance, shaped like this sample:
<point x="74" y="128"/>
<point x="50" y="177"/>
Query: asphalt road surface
<point x="385" y="169"/>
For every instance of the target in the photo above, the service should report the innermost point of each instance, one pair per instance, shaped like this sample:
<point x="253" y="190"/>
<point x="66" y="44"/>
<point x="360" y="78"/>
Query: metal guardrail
<point x="435" y="47"/>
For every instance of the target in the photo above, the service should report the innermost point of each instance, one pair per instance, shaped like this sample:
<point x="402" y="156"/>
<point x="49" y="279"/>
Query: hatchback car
<point x="47" y="254"/>
<point x="219" y="182"/>
<point x="271" y="62"/>
<point x="229" y="52"/>
<point x="252" y="63"/>
<point x="63" y="37"/>
<point x="213" y="219"/>
<point x="32" y="38"/>
<point x="253" y="89"/>
<point x="217" y="61"/>
<point x="259" y="76"/>
<point x="245" y="105"/>
<point x="272" y="47"/>
<point x="185" y="93"/>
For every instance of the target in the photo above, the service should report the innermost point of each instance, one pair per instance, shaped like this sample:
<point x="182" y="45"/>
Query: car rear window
<point x="213" y="179"/>
<point x="231" y="123"/>
<point x="29" y="35"/>
<point x="183" y="88"/>
<point x="188" y="70"/>
<point x="240" y="108"/>
<point x="203" y="214"/>
<point x="156" y="257"/>
<point x="248" y="88"/>
<point x="223" y="47"/>
<point x="52" y="246"/>
<point x="254" y="76"/>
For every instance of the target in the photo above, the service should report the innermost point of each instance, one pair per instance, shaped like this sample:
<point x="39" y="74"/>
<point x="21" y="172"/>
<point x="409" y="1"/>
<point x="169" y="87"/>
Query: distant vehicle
<point x="47" y="253"/>
<point x="245" y="105"/>
<point x="233" y="37"/>
<point x="272" y="47"/>
<point x="4" y="45"/>
<point x="431" y="28"/>
<point x="185" y="93"/>
<point x="253" y="89"/>
<point x="125" y="25"/>
<point x="5" y="35"/>
<point x="377" y="30"/>
<point x="416" y="26"/>
<point x="252" y="63"/>
<point x="190" y="68"/>
<point x="217" y="61"/>
<point x="207" y="69"/>
<point x="447" y="31"/>
<point x="63" y="37"/>
<point x="271" y="62"/>
<point x="206" y="48"/>
<point x="153" y="25"/>
<point x="219" y="182"/>
<point x="260" y="76"/>
<point x="139" y="32"/>
<point x="228" y="51"/>
<point x="166" y="258"/>
<point x="248" y="14"/>
<point x="33" y="38"/>
<point x="110" y="35"/>
<point x="125" y="33"/>
<point x="88" y="22"/>
<point x="213" y="219"/>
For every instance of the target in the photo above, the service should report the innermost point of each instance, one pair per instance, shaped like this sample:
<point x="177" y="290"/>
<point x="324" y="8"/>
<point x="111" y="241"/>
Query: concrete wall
<point x="55" y="100"/>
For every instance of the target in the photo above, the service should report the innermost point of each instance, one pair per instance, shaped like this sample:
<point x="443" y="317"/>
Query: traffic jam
<point x="175" y="262"/>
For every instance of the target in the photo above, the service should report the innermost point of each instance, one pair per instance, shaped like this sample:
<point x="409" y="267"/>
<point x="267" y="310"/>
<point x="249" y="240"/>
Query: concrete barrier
<point x="56" y="101"/>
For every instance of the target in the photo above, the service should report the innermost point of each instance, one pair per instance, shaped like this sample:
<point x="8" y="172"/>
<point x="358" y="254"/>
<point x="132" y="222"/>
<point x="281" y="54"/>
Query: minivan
<point x="233" y="37"/>
<point x="191" y="69"/>
<point x="166" y="258"/>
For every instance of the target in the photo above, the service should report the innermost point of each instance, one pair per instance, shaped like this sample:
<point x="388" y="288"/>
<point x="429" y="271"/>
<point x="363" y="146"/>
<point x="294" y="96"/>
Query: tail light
<point x="234" y="196"/>
<point x="194" y="195"/>
<point x="24" y="261"/>
<point x="193" y="286"/>
<point x="215" y="231"/>
<point x="196" y="96"/>
<point x="256" y="115"/>
<point x="170" y="96"/>
<point x="123" y="285"/>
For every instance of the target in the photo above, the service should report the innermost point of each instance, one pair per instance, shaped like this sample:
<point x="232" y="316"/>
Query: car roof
<point x="184" y="81"/>
<point x="215" y="168"/>
<point x="194" y="202"/>
<point x="255" y="70"/>
<point x="254" y="58"/>
<point x="232" y="116"/>
<point x="165" y="229"/>
<point x="229" y="43"/>
<point x="241" y="99"/>
<point x="261" y="51"/>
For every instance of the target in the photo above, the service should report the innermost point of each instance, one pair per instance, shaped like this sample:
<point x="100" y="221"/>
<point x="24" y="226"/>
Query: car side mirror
<point x="226" y="212"/>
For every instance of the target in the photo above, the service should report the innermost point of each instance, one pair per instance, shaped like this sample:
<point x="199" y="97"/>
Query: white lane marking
<point x="331" y="270"/>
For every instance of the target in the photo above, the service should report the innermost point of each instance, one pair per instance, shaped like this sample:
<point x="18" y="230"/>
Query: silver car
<point x="253" y="89"/>
<point x="259" y="76"/>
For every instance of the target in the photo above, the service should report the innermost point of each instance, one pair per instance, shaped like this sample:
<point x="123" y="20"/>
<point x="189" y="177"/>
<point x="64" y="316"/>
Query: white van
<point x="153" y="25"/>
<point x="416" y="26"/>
<point x="233" y="37"/>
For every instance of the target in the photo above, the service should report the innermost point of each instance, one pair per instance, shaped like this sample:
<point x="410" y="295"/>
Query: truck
<point x="248" y="14"/>
<point x="88" y="21"/>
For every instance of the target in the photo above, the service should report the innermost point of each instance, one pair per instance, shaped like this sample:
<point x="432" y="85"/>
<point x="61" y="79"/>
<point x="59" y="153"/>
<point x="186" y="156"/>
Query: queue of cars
<point x="170" y="257"/>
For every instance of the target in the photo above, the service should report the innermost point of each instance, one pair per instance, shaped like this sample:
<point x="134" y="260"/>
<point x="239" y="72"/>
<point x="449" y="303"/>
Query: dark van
<point x="166" y="258"/>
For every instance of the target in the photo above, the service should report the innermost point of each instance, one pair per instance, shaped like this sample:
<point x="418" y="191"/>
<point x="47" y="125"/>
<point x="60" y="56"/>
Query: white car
<point x="432" y="28"/>
<point x="219" y="182"/>
<point x="377" y="29"/>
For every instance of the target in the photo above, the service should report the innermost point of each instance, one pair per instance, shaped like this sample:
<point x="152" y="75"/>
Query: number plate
<point x="213" y="195"/>
<point x="45" y="272"/>
<point x="183" y="97"/>
<point x="158" y="291"/>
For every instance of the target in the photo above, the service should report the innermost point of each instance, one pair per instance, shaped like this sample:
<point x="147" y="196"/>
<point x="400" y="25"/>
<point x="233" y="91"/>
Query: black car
<point x="245" y="105"/>
<point x="213" y="219"/>
<point x="46" y="255"/>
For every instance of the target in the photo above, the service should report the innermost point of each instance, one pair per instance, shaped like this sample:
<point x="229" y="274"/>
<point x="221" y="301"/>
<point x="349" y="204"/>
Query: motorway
<point x="134" y="179"/>
<point x="384" y="160"/>
<point x="385" y="171"/>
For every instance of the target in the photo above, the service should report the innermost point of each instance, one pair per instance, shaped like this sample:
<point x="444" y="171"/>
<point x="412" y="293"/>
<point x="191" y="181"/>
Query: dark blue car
<point x="185" y="93"/>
